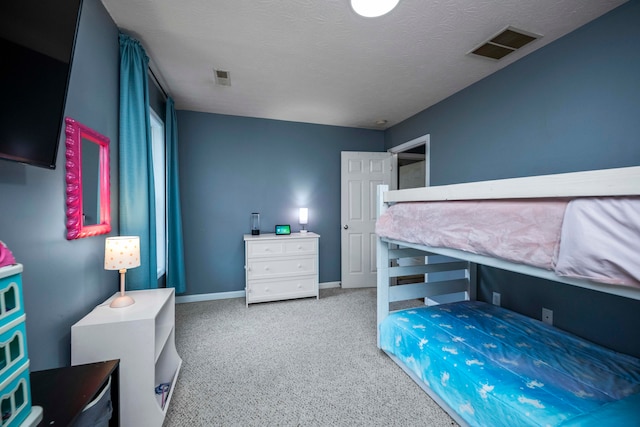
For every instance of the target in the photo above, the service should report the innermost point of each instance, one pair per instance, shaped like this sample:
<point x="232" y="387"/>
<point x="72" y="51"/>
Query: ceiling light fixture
<point x="373" y="8"/>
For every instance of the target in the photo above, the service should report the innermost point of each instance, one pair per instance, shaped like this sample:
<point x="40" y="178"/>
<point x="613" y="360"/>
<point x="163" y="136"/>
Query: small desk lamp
<point x="121" y="253"/>
<point x="304" y="218"/>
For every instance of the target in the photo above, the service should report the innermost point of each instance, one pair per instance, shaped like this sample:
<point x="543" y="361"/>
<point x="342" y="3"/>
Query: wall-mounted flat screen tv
<point x="37" y="39"/>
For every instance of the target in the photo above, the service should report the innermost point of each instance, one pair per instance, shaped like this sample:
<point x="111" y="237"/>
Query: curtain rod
<point x="158" y="83"/>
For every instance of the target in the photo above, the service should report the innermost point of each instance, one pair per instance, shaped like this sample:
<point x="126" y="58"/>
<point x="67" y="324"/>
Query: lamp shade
<point x="304" y="216"/>
<point x="122" y="252"/>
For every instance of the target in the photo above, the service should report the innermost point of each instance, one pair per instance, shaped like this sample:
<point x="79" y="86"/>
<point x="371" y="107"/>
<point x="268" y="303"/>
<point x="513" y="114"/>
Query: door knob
<point x="346" y="227"/>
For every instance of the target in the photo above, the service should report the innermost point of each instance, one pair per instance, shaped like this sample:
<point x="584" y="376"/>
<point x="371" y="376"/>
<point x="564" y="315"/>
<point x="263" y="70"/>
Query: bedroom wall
<point x="232" y="166"/>
<point x="63" y="280"/>
<point x="572" y="105"/>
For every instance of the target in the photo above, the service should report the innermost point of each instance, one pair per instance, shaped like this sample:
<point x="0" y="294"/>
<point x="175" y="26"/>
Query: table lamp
<point x="304" y="218"/>
<point x="121" y="253"/>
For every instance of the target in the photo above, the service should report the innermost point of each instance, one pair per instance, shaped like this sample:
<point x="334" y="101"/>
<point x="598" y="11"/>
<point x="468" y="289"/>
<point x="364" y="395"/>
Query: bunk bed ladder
<point x="406" y="273"/>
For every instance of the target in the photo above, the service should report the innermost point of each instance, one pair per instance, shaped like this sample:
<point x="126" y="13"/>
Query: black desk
<point x="64" y="392"/>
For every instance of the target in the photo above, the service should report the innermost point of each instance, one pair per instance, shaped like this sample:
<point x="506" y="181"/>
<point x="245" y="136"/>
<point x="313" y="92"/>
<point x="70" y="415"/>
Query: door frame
<point x="403" y="148"/>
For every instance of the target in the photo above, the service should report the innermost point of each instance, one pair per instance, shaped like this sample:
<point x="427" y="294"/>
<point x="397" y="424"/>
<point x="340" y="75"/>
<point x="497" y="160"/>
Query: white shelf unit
<point x="281" y="267"/>
<point x="142" y="336"/>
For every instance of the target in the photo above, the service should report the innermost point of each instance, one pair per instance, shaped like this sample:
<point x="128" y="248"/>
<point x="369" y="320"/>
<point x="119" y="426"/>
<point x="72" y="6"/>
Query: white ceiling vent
<point x="507" y="41"/>
<point x="223" y="78"/>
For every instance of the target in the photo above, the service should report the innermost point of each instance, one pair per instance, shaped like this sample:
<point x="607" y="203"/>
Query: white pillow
<point x="600" y="240"/>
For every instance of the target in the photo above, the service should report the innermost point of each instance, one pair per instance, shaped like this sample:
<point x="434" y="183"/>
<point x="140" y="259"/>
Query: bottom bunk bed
<point x="494" y="367"/>
<point x="488" y="366"/>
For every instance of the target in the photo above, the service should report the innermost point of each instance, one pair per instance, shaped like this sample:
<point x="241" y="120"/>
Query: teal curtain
<point x="175" y="251"/>
<point x="137" y="197"/>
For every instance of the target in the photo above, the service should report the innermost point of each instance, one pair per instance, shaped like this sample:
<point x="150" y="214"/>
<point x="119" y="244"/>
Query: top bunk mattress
<point x="496" y="367"/>
<point x="596" y="239"/>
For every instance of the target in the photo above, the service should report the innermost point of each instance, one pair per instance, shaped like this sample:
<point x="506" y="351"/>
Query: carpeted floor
<point x="301" y="362"/>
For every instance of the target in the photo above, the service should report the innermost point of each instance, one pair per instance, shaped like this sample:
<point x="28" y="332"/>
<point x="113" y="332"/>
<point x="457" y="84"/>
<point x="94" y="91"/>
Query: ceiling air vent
<point x="507" y="41"/>
<point x="223" y="78"/>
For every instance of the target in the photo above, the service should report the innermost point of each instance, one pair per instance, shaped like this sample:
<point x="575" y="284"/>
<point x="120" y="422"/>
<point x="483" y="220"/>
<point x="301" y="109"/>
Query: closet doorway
<point x="413" y="170"/>
<point x="411" y="163"/>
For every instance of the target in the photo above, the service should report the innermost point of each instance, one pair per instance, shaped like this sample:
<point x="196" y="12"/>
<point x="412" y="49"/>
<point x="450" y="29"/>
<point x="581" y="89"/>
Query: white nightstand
<point x="281" y="267"/>
<point x="142" y="336"/>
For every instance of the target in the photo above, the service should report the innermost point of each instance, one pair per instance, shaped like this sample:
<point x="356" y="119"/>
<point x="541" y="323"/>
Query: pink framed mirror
<point x="87" y="176"/>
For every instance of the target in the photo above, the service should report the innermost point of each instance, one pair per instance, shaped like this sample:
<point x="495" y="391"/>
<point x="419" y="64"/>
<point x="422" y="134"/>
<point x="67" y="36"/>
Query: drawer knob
<point x="299" y="265"/>
<point x="266" y="268"/>
<point x="299" y="247"/>
<point x="299" y="285"/>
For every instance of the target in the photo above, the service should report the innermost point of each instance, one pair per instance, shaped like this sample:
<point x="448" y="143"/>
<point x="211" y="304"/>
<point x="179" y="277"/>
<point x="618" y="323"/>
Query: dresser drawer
<point x="10" y="293"/>
<point x="16" y="396"/>
<point x="301" y="247"/>
<point x="13" y="347"/>
<point x="280" y="267"/>
<point x="286" y="247"/>
<point x="265" y="249"/>
<point x="269" y="290"/>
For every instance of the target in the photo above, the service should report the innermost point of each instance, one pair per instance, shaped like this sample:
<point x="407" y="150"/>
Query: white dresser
<point x="281" y="267"/>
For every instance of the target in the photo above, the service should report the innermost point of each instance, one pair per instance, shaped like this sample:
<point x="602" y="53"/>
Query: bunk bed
<point x="486" y="365"/>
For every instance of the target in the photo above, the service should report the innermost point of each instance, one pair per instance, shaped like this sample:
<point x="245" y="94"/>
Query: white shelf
<point x="142" y="336"/>
<point x="165" y="321"/>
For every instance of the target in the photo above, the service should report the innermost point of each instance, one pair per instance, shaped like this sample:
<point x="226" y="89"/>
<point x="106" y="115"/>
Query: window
<point x="159" y="177"/>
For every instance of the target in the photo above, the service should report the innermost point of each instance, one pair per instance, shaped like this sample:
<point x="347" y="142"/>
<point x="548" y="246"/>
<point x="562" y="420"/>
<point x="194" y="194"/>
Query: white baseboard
<point x="235" y="294"/>
<point x="210" y="297"/>
<point x="327" y="285"/>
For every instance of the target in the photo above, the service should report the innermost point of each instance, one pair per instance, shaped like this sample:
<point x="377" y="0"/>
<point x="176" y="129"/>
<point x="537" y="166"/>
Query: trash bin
<point x="98" y="412"/>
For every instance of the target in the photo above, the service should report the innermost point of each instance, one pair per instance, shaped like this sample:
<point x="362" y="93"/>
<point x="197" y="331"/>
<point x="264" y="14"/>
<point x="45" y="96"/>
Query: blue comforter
<point x="495" y="367"/>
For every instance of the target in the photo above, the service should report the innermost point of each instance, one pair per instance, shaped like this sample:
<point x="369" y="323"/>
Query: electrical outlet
<point x="547" y="316"/>
<point x="496" y="299"/>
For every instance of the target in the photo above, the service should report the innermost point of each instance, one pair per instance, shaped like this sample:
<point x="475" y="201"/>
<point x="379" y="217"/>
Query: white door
<point x="361" y="173"/>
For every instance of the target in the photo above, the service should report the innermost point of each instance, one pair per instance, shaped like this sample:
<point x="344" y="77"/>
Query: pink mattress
<point x="594" y="238"/>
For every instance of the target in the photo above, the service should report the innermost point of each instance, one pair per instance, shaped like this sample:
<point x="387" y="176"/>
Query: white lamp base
<point x="122" y="301"/>
<point x="303" y="231"/>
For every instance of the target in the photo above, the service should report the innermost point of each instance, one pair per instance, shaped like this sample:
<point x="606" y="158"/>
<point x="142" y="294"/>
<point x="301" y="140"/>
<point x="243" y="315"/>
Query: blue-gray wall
<point x="232" y="166"/>
<point x="572" y="105"/>
<point x="578" y="99"/>
<point x="63" y="280"/>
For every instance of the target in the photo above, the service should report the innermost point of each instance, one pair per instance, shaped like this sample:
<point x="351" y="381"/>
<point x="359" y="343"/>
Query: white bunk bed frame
<point x="595" y="183"/>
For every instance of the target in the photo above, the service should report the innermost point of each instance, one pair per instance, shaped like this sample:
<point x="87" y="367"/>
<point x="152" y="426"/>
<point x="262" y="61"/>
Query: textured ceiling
<point x="316" y="61"/>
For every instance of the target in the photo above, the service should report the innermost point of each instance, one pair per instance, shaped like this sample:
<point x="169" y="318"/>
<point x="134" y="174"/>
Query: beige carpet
<point x="302" y="362"/>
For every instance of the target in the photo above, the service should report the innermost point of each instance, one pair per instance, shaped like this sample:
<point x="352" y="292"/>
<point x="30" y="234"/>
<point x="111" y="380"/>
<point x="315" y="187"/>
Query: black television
<point x="37" y="39"/>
